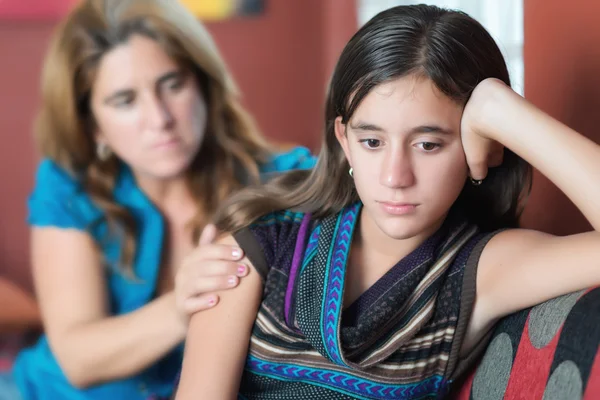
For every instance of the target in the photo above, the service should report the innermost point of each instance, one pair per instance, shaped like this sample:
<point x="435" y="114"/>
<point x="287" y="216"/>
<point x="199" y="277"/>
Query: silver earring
<point x="351" y="172"/>
<point x="103" y="151"/>
<point x="476" y="182"/>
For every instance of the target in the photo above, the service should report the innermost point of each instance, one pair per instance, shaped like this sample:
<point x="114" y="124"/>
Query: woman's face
<point x="148" y="110"/>
<point x="404" y="145"/>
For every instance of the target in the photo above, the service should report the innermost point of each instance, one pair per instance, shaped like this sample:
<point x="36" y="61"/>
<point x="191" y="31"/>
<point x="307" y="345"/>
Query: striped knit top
<point x="399" y="340"/>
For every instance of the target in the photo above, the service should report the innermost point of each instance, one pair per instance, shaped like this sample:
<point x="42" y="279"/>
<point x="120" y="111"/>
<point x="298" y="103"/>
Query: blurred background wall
<point x="282" y="58"/>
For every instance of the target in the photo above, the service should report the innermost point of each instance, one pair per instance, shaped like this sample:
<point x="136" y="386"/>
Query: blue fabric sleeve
<point x="54" y="197"/>
<point x="296" y="158"/>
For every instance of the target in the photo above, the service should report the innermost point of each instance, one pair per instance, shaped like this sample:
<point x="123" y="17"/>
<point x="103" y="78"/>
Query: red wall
<point x="281" y="61"/>
<point x="22" y="48"/>
<point x="562" y="77"/>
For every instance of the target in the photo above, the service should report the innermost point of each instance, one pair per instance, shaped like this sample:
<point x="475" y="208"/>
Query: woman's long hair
<point x="64" y="127"/>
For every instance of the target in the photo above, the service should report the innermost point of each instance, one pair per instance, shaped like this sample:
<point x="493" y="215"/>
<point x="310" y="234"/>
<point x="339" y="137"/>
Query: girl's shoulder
<point x="271" y="238"/>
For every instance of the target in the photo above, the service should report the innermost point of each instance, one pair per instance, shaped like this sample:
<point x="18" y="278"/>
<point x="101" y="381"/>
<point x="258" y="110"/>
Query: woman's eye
<point x="124" y="101"/>
<point x="176" y="84"/>
<point x="371" y="143"/>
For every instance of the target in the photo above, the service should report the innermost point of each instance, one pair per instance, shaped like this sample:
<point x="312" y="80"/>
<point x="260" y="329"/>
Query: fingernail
<point x="237" y="253"/>
<point x="211" y="301"/>
<point x="232" y="280"/>
<point x="241" y="270"/>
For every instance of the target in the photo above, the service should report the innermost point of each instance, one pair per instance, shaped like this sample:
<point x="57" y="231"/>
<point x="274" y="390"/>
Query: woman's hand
<point x="208" y="268"/>
<point x="482" y="151"/>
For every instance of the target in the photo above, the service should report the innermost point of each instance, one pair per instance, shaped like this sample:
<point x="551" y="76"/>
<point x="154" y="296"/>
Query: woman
<point x="377" y="274"/>
<point x="142" y="137"/>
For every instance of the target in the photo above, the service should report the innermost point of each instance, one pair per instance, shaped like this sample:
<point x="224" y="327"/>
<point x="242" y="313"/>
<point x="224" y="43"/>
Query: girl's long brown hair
<point x="232" y="149"/>
<point x="448" y="47"/>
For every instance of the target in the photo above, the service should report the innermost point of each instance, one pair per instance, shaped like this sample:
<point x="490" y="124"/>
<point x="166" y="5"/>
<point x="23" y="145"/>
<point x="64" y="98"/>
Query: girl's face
<point x="148" y="110"/>
<point x="404" y="145"/>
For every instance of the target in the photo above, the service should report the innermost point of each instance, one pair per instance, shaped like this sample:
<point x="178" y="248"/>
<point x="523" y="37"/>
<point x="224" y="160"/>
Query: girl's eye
<point x="371" y="143"/>
<point x="429" y="146"/>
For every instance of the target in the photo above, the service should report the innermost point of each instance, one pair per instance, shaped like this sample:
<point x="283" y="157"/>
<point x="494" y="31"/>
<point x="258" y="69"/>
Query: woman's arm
<point x="91" y="346"/>
<point x="521" y="268"/>
<point x="218" y="339"/>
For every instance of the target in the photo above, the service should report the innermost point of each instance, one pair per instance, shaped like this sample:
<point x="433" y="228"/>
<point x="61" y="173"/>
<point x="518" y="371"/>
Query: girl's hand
<point x="481" y="150"/>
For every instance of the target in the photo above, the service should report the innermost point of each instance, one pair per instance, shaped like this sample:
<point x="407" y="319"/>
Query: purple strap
<point x="296" y="261"/>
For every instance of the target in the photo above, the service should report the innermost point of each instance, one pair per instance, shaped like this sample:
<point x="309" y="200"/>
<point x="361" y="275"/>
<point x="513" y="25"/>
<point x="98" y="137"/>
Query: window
<point x="503" y="19"/>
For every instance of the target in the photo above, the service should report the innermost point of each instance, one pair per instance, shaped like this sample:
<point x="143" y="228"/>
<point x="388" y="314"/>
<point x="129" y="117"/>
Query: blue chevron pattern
<point x="311" y="247"/>
<point x="343" y="382"/>
<point x="313" y="241"/>
<point x="335" y="283"/>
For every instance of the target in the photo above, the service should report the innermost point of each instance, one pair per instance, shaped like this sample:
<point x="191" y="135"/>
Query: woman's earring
<point x="351" y="172"/>
<point x="476" y="182"/>
<point x="103" y="151"/>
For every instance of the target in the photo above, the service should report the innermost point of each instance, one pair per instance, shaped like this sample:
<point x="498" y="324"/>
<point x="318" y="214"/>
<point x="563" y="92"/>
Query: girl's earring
<point x="476" y="182"/>
<point x="351" y="172"/>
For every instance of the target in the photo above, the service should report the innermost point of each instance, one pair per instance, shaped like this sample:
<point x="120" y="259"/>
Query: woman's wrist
<point x="176" y="320"/>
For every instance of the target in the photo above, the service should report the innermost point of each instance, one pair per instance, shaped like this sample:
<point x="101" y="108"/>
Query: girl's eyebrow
<point x="365" y="126"/>
<point x="431" y="129"/>
<point x="370" y="127"/>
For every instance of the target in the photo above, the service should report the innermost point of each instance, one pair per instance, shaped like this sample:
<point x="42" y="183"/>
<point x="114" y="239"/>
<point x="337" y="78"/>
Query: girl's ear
<point x="342" y="138"/>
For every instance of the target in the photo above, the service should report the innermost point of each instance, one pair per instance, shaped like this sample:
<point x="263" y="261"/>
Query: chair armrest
<point x="552" y="349"/>
<point x="18" y="309"/>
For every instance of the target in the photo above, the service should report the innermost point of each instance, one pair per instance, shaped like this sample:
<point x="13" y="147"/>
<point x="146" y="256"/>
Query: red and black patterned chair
<point x="548" y="352"/>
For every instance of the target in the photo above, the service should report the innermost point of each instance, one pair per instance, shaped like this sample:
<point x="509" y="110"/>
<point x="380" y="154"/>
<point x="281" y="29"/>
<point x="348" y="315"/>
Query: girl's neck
<point x="376" y="242"/>
<point x="373" y="254"/>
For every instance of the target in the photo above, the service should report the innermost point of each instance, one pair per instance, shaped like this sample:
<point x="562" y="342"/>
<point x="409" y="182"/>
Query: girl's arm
<point x="217" y="342"/>
<point x="520" y="268"/>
